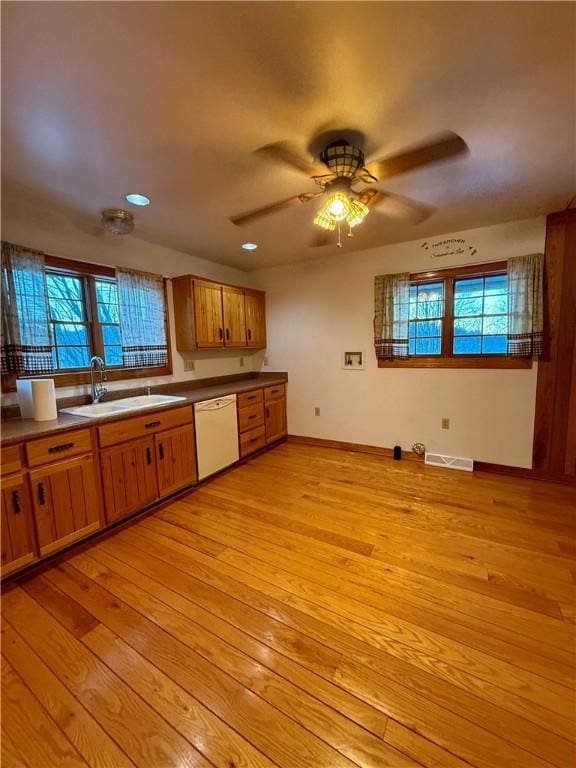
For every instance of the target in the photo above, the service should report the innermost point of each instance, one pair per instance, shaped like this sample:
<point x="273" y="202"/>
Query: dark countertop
<point x="16" y="430"/>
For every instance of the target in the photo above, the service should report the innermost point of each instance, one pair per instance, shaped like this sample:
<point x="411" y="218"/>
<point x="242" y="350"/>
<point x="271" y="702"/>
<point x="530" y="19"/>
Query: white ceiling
<point x="170" y="99"/>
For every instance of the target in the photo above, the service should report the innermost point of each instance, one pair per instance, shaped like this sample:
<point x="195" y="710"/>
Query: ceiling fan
<point x="339" y="168"/>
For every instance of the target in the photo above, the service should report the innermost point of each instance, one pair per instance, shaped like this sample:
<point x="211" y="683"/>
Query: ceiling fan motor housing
<point x="343" y="159"/>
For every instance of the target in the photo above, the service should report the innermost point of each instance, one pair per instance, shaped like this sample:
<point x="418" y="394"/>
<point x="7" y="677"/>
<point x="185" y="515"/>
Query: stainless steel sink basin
<point x="116" y="407"/>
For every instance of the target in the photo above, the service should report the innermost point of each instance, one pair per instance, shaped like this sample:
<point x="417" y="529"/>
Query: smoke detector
<point x="117" y="221"/>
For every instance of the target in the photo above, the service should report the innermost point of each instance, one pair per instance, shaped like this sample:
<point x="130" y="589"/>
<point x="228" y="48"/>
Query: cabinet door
<point x="275" y="419"/>
<point x="65" y="502"/>
<point x="17" y="525"/>
<point x="209" y="325"/>
<point x="175" y="459"/>
<point x="234" y="318"/>
<point x="255" y="308"/>
<point x="128" y="477"/>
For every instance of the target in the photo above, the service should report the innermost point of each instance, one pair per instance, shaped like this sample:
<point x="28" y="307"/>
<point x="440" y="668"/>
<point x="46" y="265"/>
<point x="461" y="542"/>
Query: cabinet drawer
<point x="130" y="429"/>
<point x="11" y="459"/>
<point x="250" y="417"/>
<point x="275" y="392"/>
<point x="249" y="398"/>
<point x="252" y="441"/>
<point x="58" y="447"/>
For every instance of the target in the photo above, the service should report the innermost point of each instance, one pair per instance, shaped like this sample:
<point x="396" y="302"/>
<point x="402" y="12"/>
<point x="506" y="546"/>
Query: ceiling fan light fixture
<point x="325" y="220"/>
<point x="357" y="214"/>
<point x="338" y="205"/>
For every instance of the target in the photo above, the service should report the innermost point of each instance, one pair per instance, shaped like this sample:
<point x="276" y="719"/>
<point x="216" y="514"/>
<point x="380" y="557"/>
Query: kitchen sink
<point x="116" y="407"/>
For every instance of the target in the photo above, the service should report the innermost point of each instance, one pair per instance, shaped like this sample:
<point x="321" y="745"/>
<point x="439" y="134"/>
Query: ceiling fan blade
<point x="282" y="153"/>
<point x="364" y="175"/>
<point x="396" y="207"/>
<point x="443" y="147"/>
<point x="259" y="213"/>
<point x="322" y="237"/>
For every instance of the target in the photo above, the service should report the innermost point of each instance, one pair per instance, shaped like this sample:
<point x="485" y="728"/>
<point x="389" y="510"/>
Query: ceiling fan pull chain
<point x="350" y="233"/>
<point x="339" y="244"/>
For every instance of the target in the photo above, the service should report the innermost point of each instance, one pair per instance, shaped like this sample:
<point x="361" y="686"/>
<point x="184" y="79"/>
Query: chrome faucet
<point x="98" y="390"/>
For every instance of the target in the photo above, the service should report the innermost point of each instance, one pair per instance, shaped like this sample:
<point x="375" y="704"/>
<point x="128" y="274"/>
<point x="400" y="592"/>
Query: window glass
<point x="68" y="325"/>
<point x="480" y="315"/>
<point x="108" y="317"/>
<point x="425" y="319"/>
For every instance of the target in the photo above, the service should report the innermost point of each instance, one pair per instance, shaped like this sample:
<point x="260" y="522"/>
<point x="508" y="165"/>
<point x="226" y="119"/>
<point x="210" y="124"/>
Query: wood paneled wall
<point x="555" y="420"/>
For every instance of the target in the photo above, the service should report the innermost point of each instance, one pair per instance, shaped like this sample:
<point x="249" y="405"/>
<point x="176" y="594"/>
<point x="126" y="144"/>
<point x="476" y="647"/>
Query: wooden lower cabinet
<point x="275" y="419"/>
<point x="18" y="546"/>
<point x="128" y="477"/>
<point x="65" y="502"/>
<point x="175" y="459"/>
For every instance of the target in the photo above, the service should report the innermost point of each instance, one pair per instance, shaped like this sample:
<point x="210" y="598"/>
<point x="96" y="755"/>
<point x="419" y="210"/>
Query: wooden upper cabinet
<point x="255" y="310"/>
<point x="234" y="317"/>
<point x="65" y="502"/>
<point x="18" y="547"/>
<point x="208" y="315"/>
<point x="211" y="315"/>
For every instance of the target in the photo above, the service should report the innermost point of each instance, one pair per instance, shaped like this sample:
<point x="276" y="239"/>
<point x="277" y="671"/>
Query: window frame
<point x="447" y="359"/>
<point x="72" y="376"/>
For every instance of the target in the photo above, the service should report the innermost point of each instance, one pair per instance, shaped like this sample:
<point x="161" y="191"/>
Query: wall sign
<point x="454" y="246"/>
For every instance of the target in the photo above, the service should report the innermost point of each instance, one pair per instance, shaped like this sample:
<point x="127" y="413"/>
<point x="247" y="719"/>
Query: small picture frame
<point x="353" y="361"/>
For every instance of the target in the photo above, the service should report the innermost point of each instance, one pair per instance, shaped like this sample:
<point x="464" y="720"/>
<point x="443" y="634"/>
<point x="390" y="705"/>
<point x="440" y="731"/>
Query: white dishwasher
<point x="216" y="434"/>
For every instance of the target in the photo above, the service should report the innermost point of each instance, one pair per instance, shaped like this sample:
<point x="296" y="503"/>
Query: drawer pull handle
<point x="152" y="424"/>
<point x="161" y="450"/>
<point x="61" y="447"/>
<point x="148" y="456"/>
<point x="253" y="416"/>
<point x="254" y="439"/>
<point x="41" y="494"/>
<point x="16" y="501"/>
<point x="251" y="397"/>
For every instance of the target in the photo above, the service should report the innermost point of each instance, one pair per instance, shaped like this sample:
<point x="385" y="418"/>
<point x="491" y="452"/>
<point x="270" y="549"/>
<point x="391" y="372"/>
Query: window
<point x="84" y="319"/>
<point x="459" y="318"/>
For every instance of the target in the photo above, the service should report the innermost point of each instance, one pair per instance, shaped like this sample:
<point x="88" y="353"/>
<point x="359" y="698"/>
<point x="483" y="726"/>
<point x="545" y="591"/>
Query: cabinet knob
<point x="16" y="501"/>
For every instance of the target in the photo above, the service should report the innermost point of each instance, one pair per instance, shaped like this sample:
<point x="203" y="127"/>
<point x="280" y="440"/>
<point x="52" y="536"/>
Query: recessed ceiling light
<point x="249" y="246"/>
<point x="137" y="199"/>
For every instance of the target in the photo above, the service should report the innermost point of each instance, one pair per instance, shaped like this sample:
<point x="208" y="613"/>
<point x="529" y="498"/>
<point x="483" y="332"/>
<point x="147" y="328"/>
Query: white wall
<point x="318" y="309"/>
<point x="60" y="234"/>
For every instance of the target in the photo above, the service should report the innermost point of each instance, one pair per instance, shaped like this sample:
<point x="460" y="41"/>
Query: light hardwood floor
<point x="312" y="608"/>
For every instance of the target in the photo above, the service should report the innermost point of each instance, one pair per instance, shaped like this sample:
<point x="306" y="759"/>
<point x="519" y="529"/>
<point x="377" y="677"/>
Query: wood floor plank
<point x="146" y="738"/>
<point x="177" y="553"/>
<point x="89" y="738"/>
<point x="34" y="734"/>
<point x="312" y="608"/>
<point x="177" y="648"/>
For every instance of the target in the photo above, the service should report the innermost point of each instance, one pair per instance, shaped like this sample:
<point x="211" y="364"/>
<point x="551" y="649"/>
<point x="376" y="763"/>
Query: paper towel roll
<point x="44" y="397"/>
<point x="25" y="400"/>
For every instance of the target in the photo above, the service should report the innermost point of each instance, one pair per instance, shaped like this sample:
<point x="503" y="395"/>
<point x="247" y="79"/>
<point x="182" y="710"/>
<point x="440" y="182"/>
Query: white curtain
<point x="142" y="319"/>
<point x="26" y="345"/>
<point x="525" y="306"/>
<point x="391" y="312"/>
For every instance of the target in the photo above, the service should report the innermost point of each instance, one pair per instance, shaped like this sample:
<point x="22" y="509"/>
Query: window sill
<point x="72" y="378"/>
<point x="458" y="362"/>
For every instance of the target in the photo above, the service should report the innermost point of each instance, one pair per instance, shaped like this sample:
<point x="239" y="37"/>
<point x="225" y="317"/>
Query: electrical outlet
<point x="445" y="423"/>
<point x="316" y="411"/>
<point x="189" y="365"/>
<point x="265" y="361"/>
<point x="241" y="362"/>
